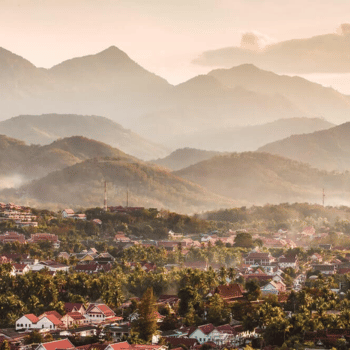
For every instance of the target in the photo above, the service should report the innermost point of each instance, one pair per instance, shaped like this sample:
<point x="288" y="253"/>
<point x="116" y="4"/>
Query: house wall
<point x="200" y="336"/>
<point x="24" y="323"/>
<point x="45" y="323"/>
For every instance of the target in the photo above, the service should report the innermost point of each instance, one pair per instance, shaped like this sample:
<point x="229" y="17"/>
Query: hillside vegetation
<point x="327" y="149"/>
<point x="82" y="185"/>
<point x="34" y="161"/>
<point x="44" y="129"/>
<point x="264" y="178"/>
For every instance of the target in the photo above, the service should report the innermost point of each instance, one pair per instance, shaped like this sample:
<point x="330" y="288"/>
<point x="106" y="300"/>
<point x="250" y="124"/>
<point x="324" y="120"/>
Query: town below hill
<point x="142" y="278"/>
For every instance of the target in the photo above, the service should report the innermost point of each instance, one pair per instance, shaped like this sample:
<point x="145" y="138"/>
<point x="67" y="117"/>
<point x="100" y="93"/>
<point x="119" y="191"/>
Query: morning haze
<point x="174" y="175"/>
<point x="167" y="94"/>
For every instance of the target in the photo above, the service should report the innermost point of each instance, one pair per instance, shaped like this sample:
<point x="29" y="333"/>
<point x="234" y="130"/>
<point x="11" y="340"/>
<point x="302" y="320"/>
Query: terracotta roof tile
<point x="32" y="318"/>
<point x="58" y="344"/>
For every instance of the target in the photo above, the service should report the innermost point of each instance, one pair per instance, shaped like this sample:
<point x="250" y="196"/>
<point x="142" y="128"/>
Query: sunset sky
<point x="161" y="35"/>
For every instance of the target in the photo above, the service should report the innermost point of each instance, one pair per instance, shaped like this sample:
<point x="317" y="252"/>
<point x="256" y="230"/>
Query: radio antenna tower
<point x="323" y="196"/>
<point x="105" y="208"/>
<point x="127" y="195"/>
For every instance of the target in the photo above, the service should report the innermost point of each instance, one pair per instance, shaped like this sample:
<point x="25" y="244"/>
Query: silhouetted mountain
<point x="110" y="83"/>
<point x="248" y="138"/>
<point x="323" y="53"/>
<point x="204" y="102"/>
<point x="262" y="178"/>
<point x="107" y="83"/>
<point x="44" y="129"/>
<point x="327" y="149"/>
<point x="310" y="98"/>
<point x="184" y="157"/>
<point x="149" y="186"/>
<point x="109" y="72"/>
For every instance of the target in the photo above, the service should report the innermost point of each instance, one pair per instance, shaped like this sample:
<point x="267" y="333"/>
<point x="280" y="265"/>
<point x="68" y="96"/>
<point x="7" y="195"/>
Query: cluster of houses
<point x="22" y="264"/>
<point x="70" y="214"/>
<point x="88" y="261"/>
<point x="76" y="315"/>
<point x="65" y="344"/>
<point x="87" y="320"/>
<point x="22" y="216"/>
<point x="12" y="236"/>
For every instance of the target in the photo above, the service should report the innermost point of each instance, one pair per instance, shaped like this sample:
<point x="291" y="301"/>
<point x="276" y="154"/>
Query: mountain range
<point x="327" y="53"/>
<point x="108" y="83"/>
<point x="245" y="138"/>
<point x="111" y="84"/>
<point x="327" y="149"/>
<point x="81" y="185"/>
<point x="261" y="178"/>
<point x="71" y="172"/>
<point x="35" y="161"/>
<point x="44" y="129"/>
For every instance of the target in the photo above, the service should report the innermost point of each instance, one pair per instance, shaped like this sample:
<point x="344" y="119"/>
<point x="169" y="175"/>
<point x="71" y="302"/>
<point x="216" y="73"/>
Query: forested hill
<point x="33" y="161"/>
<point x="326" y="149"/>
<point x="264" y="178"/>
<point x="150" y="186"/>
<point x="46" y="128"/>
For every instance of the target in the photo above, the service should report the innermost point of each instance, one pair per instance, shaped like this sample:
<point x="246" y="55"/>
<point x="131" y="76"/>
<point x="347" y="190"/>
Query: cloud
<point x="344" y="29"/>
<point x="12" y="181"/>
<point x="255" y="41"/>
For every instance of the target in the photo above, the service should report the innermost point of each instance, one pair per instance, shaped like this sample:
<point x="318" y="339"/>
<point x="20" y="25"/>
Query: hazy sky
<point x="161" y="35"/>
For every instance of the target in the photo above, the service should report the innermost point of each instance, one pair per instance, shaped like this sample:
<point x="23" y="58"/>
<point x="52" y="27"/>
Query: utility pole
<point x="127" y="195"/>
<point x="105" y="208"/>
<point x="323" y="196"/>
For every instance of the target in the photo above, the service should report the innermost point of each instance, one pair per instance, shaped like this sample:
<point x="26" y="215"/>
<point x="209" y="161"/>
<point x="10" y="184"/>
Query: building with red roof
<point x="175" y="342"/>
<point x="257" y="258"/>
<point x="48" y="237"/>
<point x="26" y="322"/>
<point x="45" y="321"/>
<point x="21" y="269"/>
<point x="74" y="319"/>
<point x="98" y="313"/>
<point x="63" y="344"/>
<point x="49" y="322"/>
<point x="55" y="313"/>
<point x="10" y="237"/>
<point x="75" y="307"/>
<point x="230" y="292"/>
<point x="118" y="346"/>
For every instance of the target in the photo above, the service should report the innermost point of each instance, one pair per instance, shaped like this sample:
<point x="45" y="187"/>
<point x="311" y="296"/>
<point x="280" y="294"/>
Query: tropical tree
<point x="146" y="324"/>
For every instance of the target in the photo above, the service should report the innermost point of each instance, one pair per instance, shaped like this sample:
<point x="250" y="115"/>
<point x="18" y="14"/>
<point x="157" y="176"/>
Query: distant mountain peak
<point x="113" y="52"/>
<point x="10" y="60"/>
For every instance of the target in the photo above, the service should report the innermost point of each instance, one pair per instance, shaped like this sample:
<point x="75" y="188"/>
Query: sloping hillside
<point x="149" y="186"/>
<point x="311" y="98"/>
<point x="107" y="83"/>
<point x="34" y="161"/>
<point x="204" y="102"/>
<point x="264" y="178"/>
<point x="182" y="158"/>
<point x="44" y="129"/>
<point x="327" y="149"/>
<point x="248" y="138"/>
